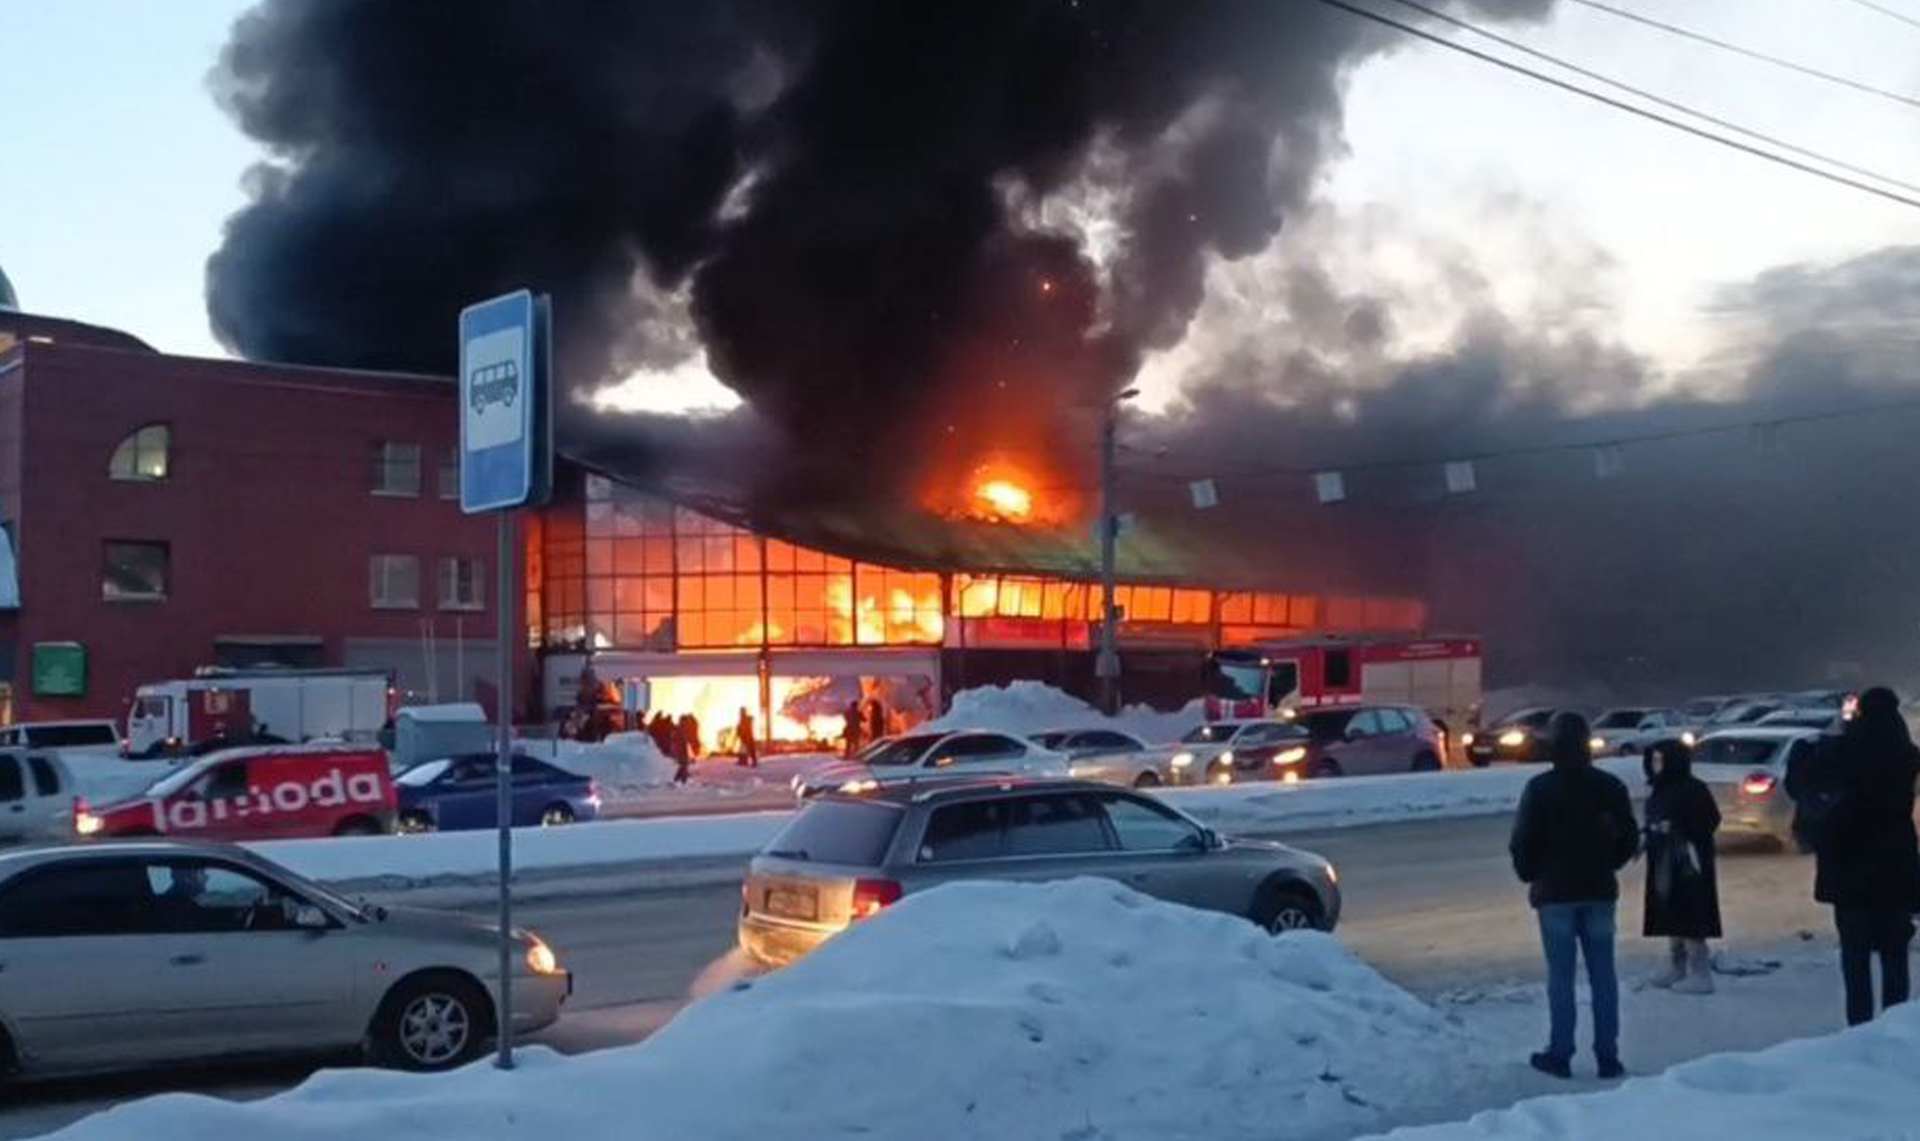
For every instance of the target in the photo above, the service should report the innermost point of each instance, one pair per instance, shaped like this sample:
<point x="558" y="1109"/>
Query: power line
<point x="1750" y="53"/>
<point x="1622" y="105"/>
<point x="1652" y="97"/>
<point x="1888" y="12"/>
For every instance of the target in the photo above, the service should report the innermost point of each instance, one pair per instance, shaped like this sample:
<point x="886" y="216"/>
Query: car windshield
<point x="1620" y="719"/>
<point x="423" y="774"/>
<point x="1235" y="680"/>
<point x="1746" y="752"/>
<point x="905" y="751"/>
<point x="176" y="780"/>
<point x="1212" y="734"/>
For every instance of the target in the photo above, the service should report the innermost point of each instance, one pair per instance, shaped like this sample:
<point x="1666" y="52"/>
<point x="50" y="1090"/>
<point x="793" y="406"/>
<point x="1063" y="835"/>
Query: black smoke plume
<point x="875" y="210"/>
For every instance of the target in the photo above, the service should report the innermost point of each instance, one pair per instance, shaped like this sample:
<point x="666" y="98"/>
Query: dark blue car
<point x="456" y="793"/>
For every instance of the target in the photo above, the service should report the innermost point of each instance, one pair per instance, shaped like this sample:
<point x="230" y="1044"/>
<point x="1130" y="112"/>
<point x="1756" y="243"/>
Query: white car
<point x="1109" y="756"/>
<point x="87" y="736"/>
<point x="1631" y="730"/>
<point x="920" y="756"/>
<point x="1218" y="751"/>
<point x="36" y="798"/>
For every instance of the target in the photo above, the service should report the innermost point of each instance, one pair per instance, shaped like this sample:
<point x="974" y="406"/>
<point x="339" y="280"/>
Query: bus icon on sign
<point x="497" y="383"/>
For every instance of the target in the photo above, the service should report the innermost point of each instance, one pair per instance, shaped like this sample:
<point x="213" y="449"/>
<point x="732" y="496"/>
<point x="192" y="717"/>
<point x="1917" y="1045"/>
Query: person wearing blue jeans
<point x="1573" y="833"/>
<point x="1585" y="928"/>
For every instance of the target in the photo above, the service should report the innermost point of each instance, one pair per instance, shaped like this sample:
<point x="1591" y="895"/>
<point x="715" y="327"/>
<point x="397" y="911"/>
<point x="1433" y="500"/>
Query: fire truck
<point x="1284" y="679"/>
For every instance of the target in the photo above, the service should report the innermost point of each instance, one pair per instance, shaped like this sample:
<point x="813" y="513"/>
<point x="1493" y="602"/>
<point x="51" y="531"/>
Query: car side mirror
<point x="309" y="918"/>
<point x="941" y="762"/>
<point x="1211" y="841"/>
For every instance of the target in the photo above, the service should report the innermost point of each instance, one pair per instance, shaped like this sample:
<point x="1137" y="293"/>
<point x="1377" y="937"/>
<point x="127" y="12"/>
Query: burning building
<point x="796" y="615"/>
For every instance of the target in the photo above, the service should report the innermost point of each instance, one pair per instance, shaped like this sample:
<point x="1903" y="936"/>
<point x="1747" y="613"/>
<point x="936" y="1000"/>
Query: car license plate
<point x="789" y="904"/>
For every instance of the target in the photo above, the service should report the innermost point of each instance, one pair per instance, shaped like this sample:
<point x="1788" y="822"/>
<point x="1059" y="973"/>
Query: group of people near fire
<point x="1575" y="830"/>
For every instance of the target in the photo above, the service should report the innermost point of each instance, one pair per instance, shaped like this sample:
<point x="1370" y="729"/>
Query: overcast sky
<point x="119" y="171"/>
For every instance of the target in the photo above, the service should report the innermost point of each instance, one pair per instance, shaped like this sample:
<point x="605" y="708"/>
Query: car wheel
<point x="358" y="826"/>
<point x="1288" y="909"/>
<point x="432" y="1022"/>
<point x="1325" y="768"/>
<point x="415" y="822"/>
<point x="554" y="815"/>
<point x="1148" y="779"/>
<point x="1426" y="763"/>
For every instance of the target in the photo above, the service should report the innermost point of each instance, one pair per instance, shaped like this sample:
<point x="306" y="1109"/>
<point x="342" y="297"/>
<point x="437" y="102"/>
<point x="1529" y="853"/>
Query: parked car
<point x="148" y="953"/>
<point x="1110" y="756"/>
<point x="1632" y="729"/>
<point x="1520" y="736"/>
<point x="917" y="756"/>
<point x="1802" y="719"/>
<point x="36" y="797"/>
<point x="845" y="858"/>
<point x="1222" y="752"/>
<point x="270" y="793"/>
<point x="93" y="736"/>
<point x="455" y="793"/>
<point x="1747" y="770"/>
<point x="1370" y="740"/>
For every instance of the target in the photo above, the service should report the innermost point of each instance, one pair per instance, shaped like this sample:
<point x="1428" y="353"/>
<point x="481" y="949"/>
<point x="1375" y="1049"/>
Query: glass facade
<point x="633" y="572"/>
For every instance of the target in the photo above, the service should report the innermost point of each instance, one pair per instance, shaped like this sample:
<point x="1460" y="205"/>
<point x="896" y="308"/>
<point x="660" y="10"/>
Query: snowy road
<point x="1431" y="904"/>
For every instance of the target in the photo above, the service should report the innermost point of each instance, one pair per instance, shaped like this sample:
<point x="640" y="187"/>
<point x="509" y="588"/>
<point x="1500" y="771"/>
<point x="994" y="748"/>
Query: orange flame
<point x="1004" y="500"/>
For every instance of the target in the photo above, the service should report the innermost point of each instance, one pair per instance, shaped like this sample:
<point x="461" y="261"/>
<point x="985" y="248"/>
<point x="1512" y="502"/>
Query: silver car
<point x="844" y="858"/>
<point x="1747" y="771"/>
<point x="135" y="954"/>
<point x="917" y="757"/>
<point x="1109" y="756"/>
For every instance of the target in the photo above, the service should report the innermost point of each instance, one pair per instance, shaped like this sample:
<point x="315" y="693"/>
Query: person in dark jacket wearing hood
<point x="1683" y="890"/>
<point x="1574" y="830"/>
<point x="1867" y="855"/>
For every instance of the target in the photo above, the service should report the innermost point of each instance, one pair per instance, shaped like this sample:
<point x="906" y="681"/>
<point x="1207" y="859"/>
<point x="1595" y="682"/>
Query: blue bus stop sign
<point x="502" y="402"/>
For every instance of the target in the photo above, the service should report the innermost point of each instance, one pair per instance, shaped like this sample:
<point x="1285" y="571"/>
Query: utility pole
<point x="1107" y="664"/>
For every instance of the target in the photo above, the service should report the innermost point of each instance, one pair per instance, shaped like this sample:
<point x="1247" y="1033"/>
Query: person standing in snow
<point x="1855" y="797"/>
<point x="749" y="747"/>
<point x="1683" y="890"/>
<point x="1573" y="832"/>
<point x="851" y="723"/>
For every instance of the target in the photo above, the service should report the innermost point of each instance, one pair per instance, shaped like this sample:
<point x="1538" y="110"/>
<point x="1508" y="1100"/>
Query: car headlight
<point x="1596" y="743"/>
<point x="1689" y="739"/>
<point x="1513" y="738"/>
<point x="1226" y="756"/>
<point x="1181" y="760"/>
<point x="540" y="958"/>
<point x="86" y="823"/>
<point x="1291" y="756"/>
<point x="1466" y="738"/>
<point x="856" y="787"/>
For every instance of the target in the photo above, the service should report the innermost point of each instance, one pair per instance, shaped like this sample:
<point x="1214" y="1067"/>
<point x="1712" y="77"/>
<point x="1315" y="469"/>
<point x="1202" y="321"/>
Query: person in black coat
<point x="1855" y="795"/>
<point x="1683" y="890"/>
<point x="1573" y="832"/>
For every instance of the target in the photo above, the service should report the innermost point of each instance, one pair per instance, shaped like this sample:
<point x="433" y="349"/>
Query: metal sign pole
<point x="503" y="781"/>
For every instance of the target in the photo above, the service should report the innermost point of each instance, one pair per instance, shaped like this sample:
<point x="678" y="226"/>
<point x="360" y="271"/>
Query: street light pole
<point x="1107" y="664"/>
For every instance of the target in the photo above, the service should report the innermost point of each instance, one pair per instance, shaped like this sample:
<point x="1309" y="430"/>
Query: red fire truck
<point x="1286" y="678"/>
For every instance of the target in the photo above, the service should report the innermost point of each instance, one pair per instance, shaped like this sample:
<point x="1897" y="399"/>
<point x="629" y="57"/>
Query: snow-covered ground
<point x="1861" y="1084"/>
<point x="1347" y="801"/>
<point x="1076" y="1010"/>
<point x="1256" y="809"/>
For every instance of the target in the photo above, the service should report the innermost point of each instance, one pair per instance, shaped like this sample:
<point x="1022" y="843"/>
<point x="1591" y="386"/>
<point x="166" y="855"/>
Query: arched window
<point x="143" y="455"/>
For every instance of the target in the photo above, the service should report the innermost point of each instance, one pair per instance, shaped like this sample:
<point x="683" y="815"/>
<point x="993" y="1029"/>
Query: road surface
<point x="1432" y="905"/>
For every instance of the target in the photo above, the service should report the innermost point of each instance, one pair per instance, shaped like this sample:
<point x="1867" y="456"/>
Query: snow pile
<point x="627" y="765"/>
<point x="1863" y="1083"/>
<point x="1024" y="707"/>
<point x="1069" y="1010"/>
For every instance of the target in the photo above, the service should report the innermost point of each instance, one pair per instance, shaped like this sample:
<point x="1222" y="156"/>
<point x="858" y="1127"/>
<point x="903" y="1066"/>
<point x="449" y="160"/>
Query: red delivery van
<point x="258" y="793"/>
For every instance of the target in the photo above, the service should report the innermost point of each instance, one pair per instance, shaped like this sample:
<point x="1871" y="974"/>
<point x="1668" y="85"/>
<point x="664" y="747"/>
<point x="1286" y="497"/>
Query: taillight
<point x="870" y="897"/>
<point x="1758" y="784"/>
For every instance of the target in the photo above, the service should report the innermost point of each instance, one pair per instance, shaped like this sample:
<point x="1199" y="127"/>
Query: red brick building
<point x="163" y="513"/>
